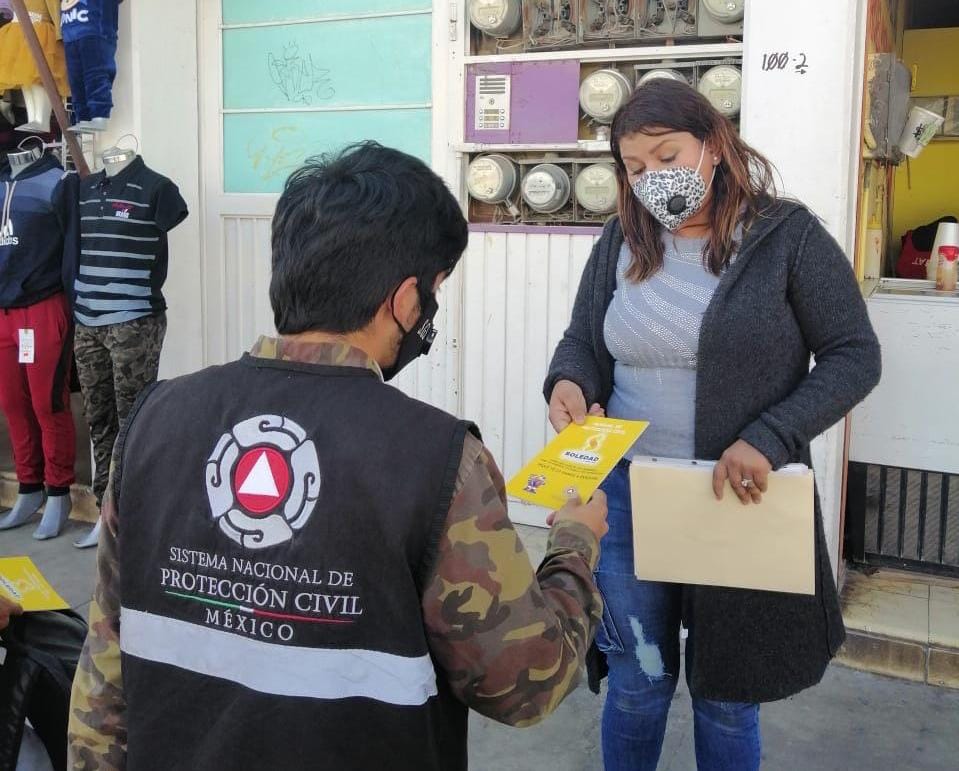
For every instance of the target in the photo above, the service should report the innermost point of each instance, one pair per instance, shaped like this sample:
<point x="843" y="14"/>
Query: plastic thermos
<point x="947" y="234"/>
<point x="946" y="273"/>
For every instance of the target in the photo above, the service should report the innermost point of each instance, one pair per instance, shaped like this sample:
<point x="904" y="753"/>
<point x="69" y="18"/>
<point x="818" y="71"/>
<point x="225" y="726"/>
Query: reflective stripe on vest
<point x="281" y="670"/>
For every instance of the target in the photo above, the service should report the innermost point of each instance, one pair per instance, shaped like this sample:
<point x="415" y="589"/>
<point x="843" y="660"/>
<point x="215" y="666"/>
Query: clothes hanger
<point x="117" y="158"/>
<point x="26" y="157"/>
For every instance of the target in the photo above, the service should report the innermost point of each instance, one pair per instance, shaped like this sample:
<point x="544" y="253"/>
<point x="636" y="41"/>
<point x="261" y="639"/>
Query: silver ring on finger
<point x="747" y="483"/>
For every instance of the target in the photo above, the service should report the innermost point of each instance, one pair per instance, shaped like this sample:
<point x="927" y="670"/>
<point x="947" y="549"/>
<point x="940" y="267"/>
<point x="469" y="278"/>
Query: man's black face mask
<point x="418" y="340"/>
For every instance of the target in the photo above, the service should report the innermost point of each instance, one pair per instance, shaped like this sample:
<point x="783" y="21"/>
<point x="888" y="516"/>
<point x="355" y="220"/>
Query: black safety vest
<point x="278" y="522"/>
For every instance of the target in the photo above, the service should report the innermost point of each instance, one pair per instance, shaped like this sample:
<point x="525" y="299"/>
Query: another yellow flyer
<point x="576" y="461"/>
<point x="24" y="584"/>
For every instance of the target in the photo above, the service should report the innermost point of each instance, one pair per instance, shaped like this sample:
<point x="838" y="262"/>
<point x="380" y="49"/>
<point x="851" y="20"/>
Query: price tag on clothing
<point x="28" y="351"/>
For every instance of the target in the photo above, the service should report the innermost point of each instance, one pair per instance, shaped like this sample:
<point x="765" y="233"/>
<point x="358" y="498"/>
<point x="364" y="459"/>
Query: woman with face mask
<point x="699" y="310"/>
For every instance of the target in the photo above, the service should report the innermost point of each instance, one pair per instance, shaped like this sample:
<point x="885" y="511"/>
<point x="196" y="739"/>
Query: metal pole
<point x="50" y="86"/>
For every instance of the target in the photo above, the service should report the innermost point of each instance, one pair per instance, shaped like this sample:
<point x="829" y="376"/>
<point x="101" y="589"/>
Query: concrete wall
<point x="808" y="125"/>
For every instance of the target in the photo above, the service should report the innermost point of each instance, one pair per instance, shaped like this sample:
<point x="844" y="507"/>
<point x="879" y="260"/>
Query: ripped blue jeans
<point x="640" y="637"/>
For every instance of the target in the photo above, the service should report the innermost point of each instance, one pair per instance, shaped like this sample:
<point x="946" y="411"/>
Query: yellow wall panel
<point x="935" y="187"/>
<point x="929" y="187"/>
<point x="933" y="57"/>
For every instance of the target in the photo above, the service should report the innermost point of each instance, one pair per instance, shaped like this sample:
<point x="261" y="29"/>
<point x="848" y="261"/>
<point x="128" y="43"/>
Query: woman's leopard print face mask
<point x="673" y="195"/>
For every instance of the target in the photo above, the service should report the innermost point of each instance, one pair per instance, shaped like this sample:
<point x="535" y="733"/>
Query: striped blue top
<point x="124" y="221"/>
<point x="652" y="331"/>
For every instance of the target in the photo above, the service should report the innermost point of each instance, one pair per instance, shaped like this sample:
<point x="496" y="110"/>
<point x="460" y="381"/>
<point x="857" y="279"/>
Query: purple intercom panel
<point x="522" y="103"/>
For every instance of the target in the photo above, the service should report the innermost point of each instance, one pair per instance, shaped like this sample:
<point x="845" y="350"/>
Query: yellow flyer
<point x="23" y="583"/>
<point x="576" y="461"/>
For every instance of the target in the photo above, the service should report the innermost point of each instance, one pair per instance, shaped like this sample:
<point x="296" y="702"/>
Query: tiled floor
<point x="904" y="606"/>
<point x="944" y="616"/>
<point x="903" y="625"/>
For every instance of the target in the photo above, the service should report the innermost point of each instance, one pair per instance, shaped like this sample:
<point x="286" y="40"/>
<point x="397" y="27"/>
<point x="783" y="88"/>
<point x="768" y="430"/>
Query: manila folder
<point x="682" y="534"/>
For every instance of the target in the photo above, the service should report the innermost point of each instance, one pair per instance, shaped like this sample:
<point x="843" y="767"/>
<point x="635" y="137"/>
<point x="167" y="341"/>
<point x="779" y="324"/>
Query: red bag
<point x="912" y="262"/>
<point x="917" y="249"/>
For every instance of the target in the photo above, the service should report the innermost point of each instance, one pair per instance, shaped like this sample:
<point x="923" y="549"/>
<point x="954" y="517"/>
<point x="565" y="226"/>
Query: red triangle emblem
<point x="262" y="480"/>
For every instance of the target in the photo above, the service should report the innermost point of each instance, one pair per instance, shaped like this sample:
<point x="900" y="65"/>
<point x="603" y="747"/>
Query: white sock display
<point x="91" y="539"/>
<point x="38" y="109"/>
<point x="26" y="506"/>
<point x="55" y="514"/>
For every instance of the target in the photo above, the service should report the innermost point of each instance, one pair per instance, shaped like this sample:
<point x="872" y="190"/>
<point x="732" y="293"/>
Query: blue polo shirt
<point x="124" y="222"/>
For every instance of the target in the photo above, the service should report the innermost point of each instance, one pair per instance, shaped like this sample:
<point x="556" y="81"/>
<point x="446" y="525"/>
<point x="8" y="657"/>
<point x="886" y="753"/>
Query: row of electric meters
<point x="603" y="92"/>
<point x="544" y="186"/>
<point x="513" y="25"/>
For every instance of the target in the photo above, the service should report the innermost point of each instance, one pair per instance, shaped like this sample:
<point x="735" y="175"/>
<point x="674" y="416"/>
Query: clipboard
<point x="682" y="534"/>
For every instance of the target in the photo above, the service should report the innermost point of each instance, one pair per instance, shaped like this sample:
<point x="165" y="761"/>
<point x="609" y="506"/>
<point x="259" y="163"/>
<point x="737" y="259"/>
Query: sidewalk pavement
<point x="853" y="721"/>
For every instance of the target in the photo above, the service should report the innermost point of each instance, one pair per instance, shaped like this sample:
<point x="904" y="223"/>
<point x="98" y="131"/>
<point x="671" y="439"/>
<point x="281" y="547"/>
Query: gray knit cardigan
<point x="790" y="294"/>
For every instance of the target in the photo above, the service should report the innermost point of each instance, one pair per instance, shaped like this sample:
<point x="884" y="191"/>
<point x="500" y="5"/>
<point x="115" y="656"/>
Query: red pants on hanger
<point x="35" y="396"/>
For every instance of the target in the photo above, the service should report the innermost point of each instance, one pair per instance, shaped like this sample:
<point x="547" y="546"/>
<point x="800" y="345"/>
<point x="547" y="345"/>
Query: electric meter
<point x="496" y="18"/>
<point x="546" y="188"/>
<point x="491" y="178"/>
<point x="670" y="18"/>
<point x="723" y="87"/>
<point x="725" y="11"/>
<point x="661" y="73"/>
<point x="596" y="188"/>
<point x="603" y="93"/>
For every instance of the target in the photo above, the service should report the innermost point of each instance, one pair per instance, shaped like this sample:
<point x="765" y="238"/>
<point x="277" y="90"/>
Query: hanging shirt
<point x="39" y="232"/>
<point x="89" y="18"/>
<point x="124" y="221"/>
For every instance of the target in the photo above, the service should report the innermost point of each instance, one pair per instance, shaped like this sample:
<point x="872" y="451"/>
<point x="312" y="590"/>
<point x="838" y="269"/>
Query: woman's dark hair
<point x="349" y="228"/>
<point x="742" y="187"/>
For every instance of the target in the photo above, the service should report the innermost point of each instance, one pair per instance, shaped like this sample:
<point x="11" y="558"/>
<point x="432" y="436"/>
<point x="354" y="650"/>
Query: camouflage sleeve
<point x="511" y="642"/>
<point x="97" y="736"/>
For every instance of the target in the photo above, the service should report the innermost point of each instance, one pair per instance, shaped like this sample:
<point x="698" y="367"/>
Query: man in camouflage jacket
<point x="509" y="642"/>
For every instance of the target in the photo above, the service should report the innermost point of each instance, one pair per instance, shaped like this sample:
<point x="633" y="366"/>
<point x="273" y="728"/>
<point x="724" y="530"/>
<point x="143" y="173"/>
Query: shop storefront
<point x="904" y="455"/>
<point x="227" y="96"/>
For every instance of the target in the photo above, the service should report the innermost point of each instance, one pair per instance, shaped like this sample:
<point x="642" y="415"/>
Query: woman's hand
<point x="568" y="405"/>
<point x="742" y="463"/>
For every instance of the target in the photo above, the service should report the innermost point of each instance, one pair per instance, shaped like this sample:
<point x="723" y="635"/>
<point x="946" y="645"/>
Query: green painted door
<point x="302" y="77"/>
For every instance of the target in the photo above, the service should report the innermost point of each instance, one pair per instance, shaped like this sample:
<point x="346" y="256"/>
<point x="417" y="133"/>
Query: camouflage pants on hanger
<point x="114" y="363"/>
